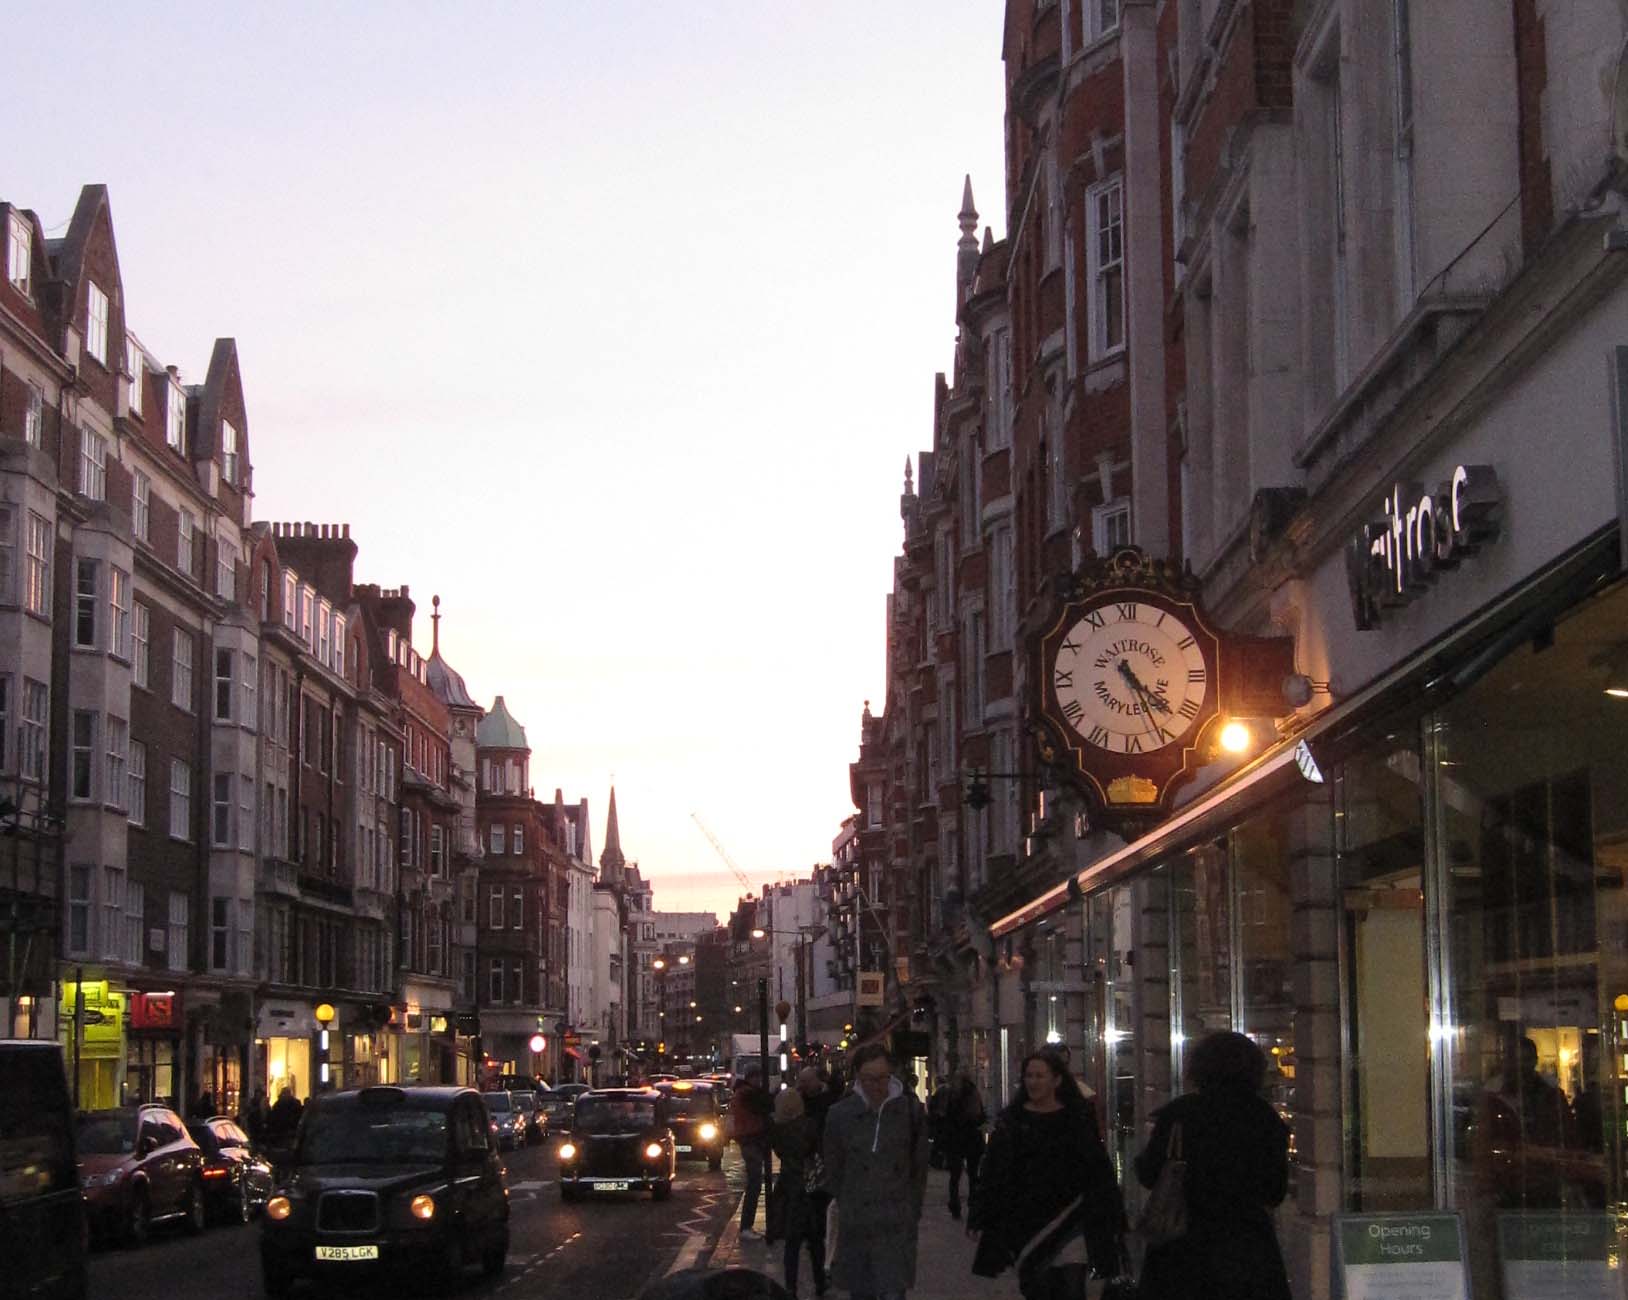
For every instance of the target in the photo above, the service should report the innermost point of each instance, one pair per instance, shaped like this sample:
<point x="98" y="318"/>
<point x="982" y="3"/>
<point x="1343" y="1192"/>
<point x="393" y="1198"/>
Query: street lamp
<point x="324" y="1014"/>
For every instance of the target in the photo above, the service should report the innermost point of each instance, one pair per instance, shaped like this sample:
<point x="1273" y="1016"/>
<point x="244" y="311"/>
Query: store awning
<point x="1447" y="664"/>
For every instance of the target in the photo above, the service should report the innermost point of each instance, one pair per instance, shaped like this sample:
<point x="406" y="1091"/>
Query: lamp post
<point x="324" y="1014"/>
<point x="804" y="936"/>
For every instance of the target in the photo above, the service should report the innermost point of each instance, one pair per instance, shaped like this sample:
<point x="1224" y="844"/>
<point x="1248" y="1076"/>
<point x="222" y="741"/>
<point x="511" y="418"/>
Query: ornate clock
<point x="1131" y="680"/>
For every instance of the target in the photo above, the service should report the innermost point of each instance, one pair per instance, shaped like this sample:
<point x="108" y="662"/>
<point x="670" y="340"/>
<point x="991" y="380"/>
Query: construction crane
<point x="728" y="861"/>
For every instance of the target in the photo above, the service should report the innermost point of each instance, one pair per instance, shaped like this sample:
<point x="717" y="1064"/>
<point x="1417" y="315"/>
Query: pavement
<point x="943" y="1254"/>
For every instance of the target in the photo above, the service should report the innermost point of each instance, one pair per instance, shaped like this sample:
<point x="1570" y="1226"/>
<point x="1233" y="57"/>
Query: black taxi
<point x="619" y="1142"/>
<point x="387" y="1179"/>
<point x="694" y="1114"/>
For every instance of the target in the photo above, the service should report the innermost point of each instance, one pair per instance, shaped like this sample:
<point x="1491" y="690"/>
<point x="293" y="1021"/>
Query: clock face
<point x="1131" y="677"/>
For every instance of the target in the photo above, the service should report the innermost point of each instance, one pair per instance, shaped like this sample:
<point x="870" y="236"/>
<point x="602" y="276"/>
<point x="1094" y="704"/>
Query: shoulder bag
<point x="1164" y="1215"/>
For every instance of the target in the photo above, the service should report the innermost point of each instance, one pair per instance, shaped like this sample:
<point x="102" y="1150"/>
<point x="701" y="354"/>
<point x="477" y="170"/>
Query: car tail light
<point x="653" y="1150"/>
<point x="215" y="1173"/>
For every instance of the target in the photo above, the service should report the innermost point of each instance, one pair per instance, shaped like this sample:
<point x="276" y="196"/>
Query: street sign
<point x="870" y="989"/>
<point x="90" y="1016"/>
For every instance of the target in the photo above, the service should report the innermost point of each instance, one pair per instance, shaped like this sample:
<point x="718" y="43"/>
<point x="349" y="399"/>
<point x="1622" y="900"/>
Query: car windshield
<point x="615" y="1114"/>
<point x="360" y="1134"/>
<point x="107" y="1135"/>
<point x="691" y="1103"/>
<point x="497" y="1101"/>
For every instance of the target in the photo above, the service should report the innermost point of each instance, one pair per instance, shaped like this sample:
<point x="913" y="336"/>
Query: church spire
<point x="611" y="860"/>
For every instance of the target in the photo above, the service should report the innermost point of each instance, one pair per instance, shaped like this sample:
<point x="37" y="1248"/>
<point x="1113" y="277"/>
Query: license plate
<point x="619" y="1185"/>
<point x="348" y="1252"/>
<point x="684" y="1151"/>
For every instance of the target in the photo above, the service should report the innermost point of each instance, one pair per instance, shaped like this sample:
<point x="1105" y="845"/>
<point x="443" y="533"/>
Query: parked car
<point x="693" y="1113"/>
<point x="139" y="1166"/>
<point x="42" y="1213"/>
<point x="571" y="1090"/>
<point x="236" y="1178"/>
<point x="619" y="1143"/>
<point x="529" y="1106"/>
<point x="403" y="1181"/>
<point x="508" y="1121"/>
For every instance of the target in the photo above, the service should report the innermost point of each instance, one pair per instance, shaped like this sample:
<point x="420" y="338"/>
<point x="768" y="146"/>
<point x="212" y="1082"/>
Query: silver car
<point x="508" y="1119"/>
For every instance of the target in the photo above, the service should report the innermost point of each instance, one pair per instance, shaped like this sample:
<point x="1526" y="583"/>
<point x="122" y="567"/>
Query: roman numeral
<point x="1099" y="737"/>
<point x="1133" y="744"/>
<point x="1165" y="737"/>
<point x="1195" y="676"/>
<point x="1189" y="708"/>
<point x="1127" y="613"/>
<point x="1185" y="643"/>
<point x="1072" y="710"/>
<point x="1159" y="622"/>
<point x="1065" y="677"/>
<point x="1094" y="617"/>
<point x="1071" y="646"/>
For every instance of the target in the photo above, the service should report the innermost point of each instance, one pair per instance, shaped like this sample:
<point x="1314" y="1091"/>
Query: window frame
<point x="1100" y="348"/>
<point x="141" y="506"/>
<point x="181" y="669"/>
<point x="141" y="631"/>
<point x="136" y="782"/>
<point x="97" y="312"/>
<point x="180" y="800"/>
<point x="92" y="464"/>
<point x="20" y="255"/>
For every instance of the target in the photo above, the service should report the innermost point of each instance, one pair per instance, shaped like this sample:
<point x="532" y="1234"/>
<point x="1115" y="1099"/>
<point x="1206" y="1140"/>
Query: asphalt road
<point x="608" y="1248"/>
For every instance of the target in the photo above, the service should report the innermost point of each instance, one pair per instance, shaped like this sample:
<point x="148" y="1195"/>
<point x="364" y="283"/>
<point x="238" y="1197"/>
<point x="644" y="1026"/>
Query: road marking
<point x="532" y="1185"/>
<point x="688" y="1253"/>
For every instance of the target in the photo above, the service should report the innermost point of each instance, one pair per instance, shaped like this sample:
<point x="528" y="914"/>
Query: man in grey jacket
<point x="876" y="1166"/>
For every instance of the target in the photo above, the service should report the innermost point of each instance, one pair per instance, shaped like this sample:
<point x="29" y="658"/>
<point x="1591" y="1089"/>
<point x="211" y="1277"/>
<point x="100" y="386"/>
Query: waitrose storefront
<point x="1417" y="902"/>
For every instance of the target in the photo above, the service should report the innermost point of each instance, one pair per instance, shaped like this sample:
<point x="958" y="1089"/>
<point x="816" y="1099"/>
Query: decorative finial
<point x="909" y="477"/>
<point x="968" y="216"/>
<point x="435" y="626"/>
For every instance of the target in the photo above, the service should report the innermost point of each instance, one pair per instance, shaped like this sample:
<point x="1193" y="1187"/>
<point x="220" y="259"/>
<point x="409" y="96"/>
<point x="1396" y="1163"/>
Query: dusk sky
<point x="612" y="323"/>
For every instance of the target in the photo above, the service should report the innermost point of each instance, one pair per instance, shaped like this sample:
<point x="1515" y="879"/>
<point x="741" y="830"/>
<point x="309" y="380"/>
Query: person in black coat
<point x="961" y="1136"/>
<point x="1237" y="1153"/>
<point x="1048" y="1200"/>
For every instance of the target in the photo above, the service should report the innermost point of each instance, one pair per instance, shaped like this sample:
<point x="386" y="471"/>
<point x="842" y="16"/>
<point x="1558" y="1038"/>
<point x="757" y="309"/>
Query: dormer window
<point x="291" y="599"/>
<point x="228" y="452"/>
<point x="20" y="254"/>
<point x="175" y="420"/>
<point x="96" y="323"/>
<point x="133" y="363"/>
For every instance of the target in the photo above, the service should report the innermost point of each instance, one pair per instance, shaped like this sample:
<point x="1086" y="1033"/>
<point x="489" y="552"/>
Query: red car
<point x="139" y="1166"/>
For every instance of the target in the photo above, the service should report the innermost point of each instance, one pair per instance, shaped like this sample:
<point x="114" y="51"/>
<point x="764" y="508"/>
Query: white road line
<point x="688" y="1253"/>
<point x="532" y="1185"/>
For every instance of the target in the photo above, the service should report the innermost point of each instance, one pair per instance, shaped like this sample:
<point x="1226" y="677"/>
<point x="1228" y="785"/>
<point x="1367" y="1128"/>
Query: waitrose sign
<point x="1418" y="536"/>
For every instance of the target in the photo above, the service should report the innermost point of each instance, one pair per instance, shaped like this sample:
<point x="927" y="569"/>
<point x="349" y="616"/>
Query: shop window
<point x="1203" y="955"/>
<point x="1381" y="857"/>
<point x="1266" y="958"/>
<point x="1531" y="811"/>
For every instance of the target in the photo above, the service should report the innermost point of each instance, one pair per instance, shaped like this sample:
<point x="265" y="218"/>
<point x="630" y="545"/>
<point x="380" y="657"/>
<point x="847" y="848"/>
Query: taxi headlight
<point x="279" y="1208"/>
<point x="708" y="1132"/>
<point x="567" y="1151"/>
<point x="653" y="1151"/>
<point x="422" y="1207"/>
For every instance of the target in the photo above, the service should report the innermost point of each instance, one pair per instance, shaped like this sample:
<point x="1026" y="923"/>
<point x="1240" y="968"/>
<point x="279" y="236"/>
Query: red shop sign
<point x="154" y="1011"/>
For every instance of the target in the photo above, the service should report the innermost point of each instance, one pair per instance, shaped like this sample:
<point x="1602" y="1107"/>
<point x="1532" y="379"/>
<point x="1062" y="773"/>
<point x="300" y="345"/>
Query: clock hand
<point x="1141" y="691"/>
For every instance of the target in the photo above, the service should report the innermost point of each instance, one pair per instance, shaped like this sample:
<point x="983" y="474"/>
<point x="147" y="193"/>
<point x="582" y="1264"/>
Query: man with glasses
<point x="876" y="1154"/>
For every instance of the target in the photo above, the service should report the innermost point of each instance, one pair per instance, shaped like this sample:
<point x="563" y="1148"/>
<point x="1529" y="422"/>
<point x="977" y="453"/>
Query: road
<point x="607" y="1248"/>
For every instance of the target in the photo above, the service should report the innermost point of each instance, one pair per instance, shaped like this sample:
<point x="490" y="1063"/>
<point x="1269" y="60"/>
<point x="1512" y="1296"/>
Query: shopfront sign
<point x="870" y="988"/>
<point x="155" y="1011"/>
<point x="101" y="1016"/>
<point x="1391" y="1256"/>
<point x="1420" y="535"/>
<point x="1557" y="1256"/>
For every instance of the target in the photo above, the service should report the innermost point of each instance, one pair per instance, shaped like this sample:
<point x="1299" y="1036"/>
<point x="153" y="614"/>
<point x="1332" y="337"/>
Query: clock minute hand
<point x="1141" y="691"/>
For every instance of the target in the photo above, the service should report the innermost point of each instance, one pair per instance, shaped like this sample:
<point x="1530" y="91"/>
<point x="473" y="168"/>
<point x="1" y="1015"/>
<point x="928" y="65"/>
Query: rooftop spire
<point x="611" y="860"/>
<point x="966" y="248"/>
<point x="435" y="626"/>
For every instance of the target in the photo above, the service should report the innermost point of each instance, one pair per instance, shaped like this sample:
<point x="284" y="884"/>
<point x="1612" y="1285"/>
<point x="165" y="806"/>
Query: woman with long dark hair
<point x="1237" y="1154"/>
<point x="1047" y="1200"/>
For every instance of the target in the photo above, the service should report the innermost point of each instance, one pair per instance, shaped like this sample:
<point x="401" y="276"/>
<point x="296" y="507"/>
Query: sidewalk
<point x="943" y="1255"/>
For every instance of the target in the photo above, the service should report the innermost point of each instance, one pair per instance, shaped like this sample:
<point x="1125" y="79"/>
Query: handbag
<point x="1164" y="1215"/>
<point x="814" y="1174"/>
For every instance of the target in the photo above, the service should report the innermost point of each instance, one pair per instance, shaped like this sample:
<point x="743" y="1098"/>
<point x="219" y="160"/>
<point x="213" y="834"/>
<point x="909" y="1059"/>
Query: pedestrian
<point x="749" y="1110"/>
<point x="1048" y="1201"/>
<point x="795" y="1139"/>
<point x="1237" y="1153"/>
<point x="256" y="1115"/>
<point x="818" y="1098"/>
<point x="203" y="1106"/>
<point x="961" y="1136"/>
<point x="876" y="1157"/>
<point x="284" y="1120"/>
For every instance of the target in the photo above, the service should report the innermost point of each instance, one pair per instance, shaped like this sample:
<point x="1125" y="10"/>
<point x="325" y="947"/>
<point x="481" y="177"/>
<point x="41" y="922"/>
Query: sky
<point x="612" y="323"/>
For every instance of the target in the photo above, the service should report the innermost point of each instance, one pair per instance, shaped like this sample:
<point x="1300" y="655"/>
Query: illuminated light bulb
<point x="1235" y="738"/>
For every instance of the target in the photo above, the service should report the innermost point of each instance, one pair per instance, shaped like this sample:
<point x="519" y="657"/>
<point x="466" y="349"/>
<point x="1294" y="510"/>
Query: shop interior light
<point x="1615" y="662"/>
<point x="1236" y="737"/>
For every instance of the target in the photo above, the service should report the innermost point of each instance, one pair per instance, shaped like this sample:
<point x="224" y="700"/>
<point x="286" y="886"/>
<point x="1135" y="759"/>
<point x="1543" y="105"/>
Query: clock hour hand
<point x="1148" y="701"/>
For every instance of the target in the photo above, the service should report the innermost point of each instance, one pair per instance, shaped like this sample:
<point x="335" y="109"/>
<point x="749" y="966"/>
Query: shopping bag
<point x="1164" y="1215"/>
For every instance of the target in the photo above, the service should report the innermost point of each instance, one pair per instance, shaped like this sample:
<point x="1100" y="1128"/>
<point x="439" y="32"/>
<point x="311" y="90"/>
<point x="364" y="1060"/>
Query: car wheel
<point x="138" y="1221"/>
<point x="661" y="1191"/>
<point x="276" y="1282"/>
<point x="715" y="1163"/>
<point x="197" y="1213"/>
